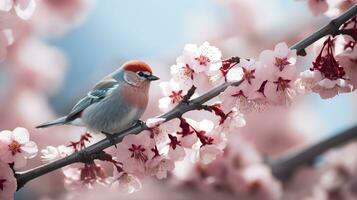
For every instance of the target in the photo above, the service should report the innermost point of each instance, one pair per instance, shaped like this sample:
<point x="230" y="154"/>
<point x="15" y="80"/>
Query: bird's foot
<point x="110" y="138"/>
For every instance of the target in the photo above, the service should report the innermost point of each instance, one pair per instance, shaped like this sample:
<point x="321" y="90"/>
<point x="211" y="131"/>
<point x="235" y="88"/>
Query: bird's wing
<point x="98" y="93"/>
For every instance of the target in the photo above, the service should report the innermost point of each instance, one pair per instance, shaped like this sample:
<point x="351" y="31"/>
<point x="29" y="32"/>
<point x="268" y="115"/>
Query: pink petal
<point x="10" y="185"/>
<point x="5" y="137"/>
<point x="25" y="8"/>
<point x="151" y="122"/>
<point x="21" y="135"/>
<point x="165" y="104"/>
<point x="235" y="74"/>
<point x="177" y="154"/>
<point x="9" y="36"/>
<point x="189" y="140"/>
<point x="19" y="161"/>
<point x="281" y="50"/>
<point x="327" y="83"/>
<point x="208" y="153"/>
<point x="270" y="92"/>
<point x="29" y="149"/>
<point x="267" y="57"/>
<point x="289" y="72"/>
<point x="6" y="5"/>
<point x="6" y="155"/>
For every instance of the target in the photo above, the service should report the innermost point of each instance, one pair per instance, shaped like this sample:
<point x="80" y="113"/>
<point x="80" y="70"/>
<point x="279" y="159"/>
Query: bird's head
<point x="137" y="73"/>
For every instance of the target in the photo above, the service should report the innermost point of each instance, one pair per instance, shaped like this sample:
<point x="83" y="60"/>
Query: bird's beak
<point x="152" y="78"/>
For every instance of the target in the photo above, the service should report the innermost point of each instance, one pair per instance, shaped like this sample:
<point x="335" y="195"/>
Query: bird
<point x="115" y="103"/>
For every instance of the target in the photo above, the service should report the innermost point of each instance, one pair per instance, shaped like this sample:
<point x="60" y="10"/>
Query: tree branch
<point x="91" y="151"/>
<point x="282" y="168"/>
<point x="330" y="29"/>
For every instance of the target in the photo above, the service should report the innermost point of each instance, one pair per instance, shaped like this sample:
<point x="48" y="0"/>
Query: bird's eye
<point x="141" y="74"/>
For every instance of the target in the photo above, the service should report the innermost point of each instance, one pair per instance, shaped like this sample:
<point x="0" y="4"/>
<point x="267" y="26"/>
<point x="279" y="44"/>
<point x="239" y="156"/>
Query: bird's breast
<point x="133" y="96"/>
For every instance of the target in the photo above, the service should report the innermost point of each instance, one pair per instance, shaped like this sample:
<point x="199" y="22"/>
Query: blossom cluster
<point x="15" y="149"/>
<point x="79" y="174"/>
<point x="273" y="79"/>
<point x="240" y="171"/>
<point x="334" y="69"/>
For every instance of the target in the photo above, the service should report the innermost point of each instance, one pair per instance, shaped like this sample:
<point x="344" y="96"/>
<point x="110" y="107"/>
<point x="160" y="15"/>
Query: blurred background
<point x="68" y="45"/>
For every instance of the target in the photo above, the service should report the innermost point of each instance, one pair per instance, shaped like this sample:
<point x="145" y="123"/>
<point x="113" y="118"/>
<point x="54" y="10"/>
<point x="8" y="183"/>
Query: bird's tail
<point x="58" y="121"/>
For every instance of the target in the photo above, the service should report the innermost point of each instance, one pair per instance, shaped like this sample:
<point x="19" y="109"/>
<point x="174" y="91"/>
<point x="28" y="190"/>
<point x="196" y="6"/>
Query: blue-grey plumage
<point x="115" y="103"/>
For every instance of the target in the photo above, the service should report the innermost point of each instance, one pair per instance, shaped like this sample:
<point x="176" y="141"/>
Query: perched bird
<point x="115" y="103"/>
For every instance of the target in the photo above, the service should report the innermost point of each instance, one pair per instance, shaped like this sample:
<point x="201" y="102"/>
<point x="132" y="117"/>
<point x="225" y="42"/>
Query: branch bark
<point x="94" y="151"/>
<point x="282" y="168"/>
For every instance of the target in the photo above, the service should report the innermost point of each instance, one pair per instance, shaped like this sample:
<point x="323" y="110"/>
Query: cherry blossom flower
<point x="183" y="75"/>
<point x="240" y="153"/>
<point x="250" y="72"/>
<point x="280" y="73"/>
<point x="51" y="153"/>
<point x="209" y="152"/>
<point x="84" y="174"/>
<point x="329" y="88"/>
<point x="72" y="174"/>
<point x="204" y="58"/>
<point x="188" y="138"/>
<point x="134" y="152"/>
<point x="16" y="147"/>
<point x="280" y="59"/>
<point x="176" y="151"/>
<point x="212" y="141"/>
<point x="259" y="183"/>
<point x="8" y="182"/>
<point x="233" y="97"/>
<point x="348" y="60"/>
<point x="126" y="182"/>
<point x="160" y="131"/>
<point x="173" y="95"/>
<point x="198" y="66"/>
<point x="307" y="80"/>
<point x="159" y="166"/>
<point x="333" y="75"/>
<point x="247" y="96"/>
<point x="234" y="120"/>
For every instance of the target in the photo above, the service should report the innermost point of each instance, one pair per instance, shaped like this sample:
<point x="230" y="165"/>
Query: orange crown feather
<point x="136" y="65"/>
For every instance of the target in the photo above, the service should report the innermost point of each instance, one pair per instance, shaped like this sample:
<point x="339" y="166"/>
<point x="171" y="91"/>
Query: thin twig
<point x="179" y="110"/>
